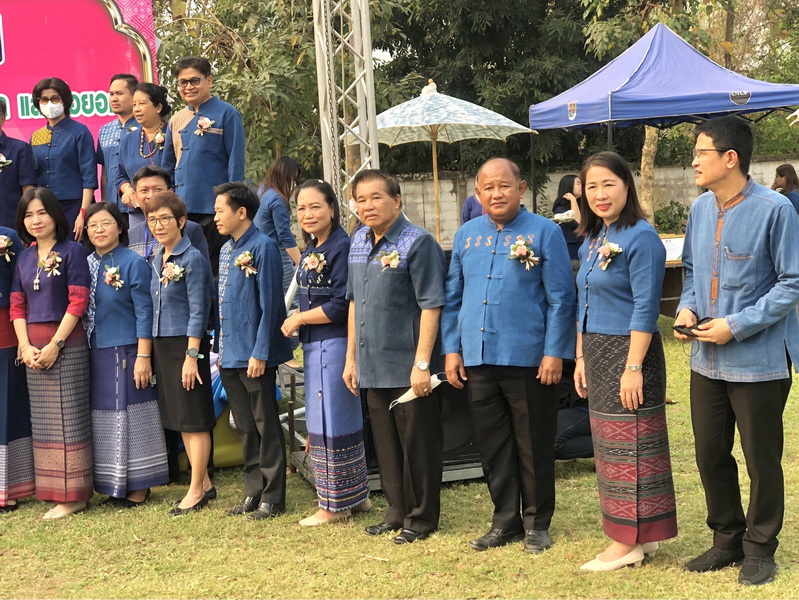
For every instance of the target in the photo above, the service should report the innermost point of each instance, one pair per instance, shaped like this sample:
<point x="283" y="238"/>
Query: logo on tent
<point x="740" y="98"/>
<point x="572" y="110"/>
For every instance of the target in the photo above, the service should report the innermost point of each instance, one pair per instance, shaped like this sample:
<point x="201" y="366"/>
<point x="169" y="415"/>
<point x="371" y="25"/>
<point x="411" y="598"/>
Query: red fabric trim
<point x="19" y="306"/>
<point x="78" y="300"/>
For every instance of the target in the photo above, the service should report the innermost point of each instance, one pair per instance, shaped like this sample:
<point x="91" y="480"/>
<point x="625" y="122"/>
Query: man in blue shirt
<point x="17" y="172"/>
<point x="251" y="346"/>
<point x="396" y="290"/>
<point x="120" y="95"/>
<point x="741" y="259"/>
<point x="204" y="147"/>
<point x="508" y="323"/>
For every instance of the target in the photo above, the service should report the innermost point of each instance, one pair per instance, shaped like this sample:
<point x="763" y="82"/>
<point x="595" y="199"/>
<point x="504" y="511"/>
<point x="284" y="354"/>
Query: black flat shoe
<point x="126" y="503"/>
<point x="496" y="538"/>
<point x="9" y="508"/>
<point x="536" y="541"/>
<point x="177" y="511"/>
<point x="408" y="536"/>
<point x="382" y="528"/>
<point x="211" y="494"/>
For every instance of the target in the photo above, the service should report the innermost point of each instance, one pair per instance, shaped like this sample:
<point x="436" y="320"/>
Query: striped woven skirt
<point x="16" y="449"/>
<point x="631" y="448"/>
<point x="60" y="418"/>
<point x="129" y="446"/>
<point x="335" y="428"/>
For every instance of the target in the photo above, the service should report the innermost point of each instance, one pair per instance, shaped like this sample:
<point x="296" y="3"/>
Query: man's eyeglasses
<point x="53" y="99"/>
<point x="194" y="81"/>
<point x="163" y="221"/>
<point x="700" y="152"/>
<point x="103" y="225"/>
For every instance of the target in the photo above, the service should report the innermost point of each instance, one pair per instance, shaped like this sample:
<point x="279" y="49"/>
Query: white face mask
<point x="51" y="110"/>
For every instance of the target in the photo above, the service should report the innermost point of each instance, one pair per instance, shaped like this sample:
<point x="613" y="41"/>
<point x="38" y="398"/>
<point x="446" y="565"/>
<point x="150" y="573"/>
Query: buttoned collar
<point x="337" y="233"/>
<point x="61" y="123"/>
<point x="109" y="254"/>
<point x="204" y="105"/>
<point x="182" y="245"/>
<point x="737" y="198"/>
<point x="512" y="223"/>
<point x="392" y="235"/>
<point x="245" y="237"/>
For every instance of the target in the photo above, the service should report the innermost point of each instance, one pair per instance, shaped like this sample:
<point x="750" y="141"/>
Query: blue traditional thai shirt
<point x="65" y="159"/>
<point x="20" y="171"/>
<point x="108" y="140"/>
<point x="207" y="160"/>
<point x="741" y="262"/>
<point x="274" y="219"/>
<point x="498" y="312"/>
<point x="389" y="300"/>
<point x="182" y="305"/>
<point x="625" y="295"/>
<point x="135" y="152"/>
<point x="8" y="258"/>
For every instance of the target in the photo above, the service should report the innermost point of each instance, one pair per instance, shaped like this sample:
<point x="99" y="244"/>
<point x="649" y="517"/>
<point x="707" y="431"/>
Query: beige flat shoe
<point x="313" y="521"/>
<point x="650" y="548"/>
<point x="363" y="507"/>
<point x="635" y="557"/>
<point x="59" y="513"/>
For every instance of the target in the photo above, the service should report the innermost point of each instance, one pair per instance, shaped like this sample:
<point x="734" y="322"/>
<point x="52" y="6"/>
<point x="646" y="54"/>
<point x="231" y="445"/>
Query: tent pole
<point x="610" y="136"/>
<point x="532" y="172"/>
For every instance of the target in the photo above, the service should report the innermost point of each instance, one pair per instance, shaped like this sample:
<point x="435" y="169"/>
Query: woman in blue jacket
<point x="129" y="447"/>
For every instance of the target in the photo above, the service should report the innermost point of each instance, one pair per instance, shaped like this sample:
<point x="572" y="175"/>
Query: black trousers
<point x="254" y="406"/>
<point x="409" y="445"/>
<point x="515" y="418"/>
<point x="215" y="239"/>
<point x="716" y="407"/>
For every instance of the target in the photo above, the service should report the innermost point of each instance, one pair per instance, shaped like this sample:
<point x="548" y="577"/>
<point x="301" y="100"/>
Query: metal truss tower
<point x="346" y="91"/>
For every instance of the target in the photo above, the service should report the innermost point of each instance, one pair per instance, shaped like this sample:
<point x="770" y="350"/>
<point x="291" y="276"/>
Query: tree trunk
<point x="648" y="172"/>
<point x="728" y="31"/>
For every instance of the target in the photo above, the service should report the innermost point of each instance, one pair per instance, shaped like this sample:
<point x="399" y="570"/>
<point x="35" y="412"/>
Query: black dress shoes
<point x="211" y="494"/>
<point x="266" y="510"/>
<point x="177" y="511"/>
<point x="408" y="536"/>
<point x="757" y="570"/>
<point x="496" y="538"/>
<point x="714" y="559"/>
<point x="381" y="528"/>
<point x="248" y="505"/>
<point x="536" y="541"/>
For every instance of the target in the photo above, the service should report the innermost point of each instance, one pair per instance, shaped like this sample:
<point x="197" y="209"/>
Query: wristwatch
<point x="421" y="365"/>
<point x="633" y="367"/>
<point x="59" y="343"/>
<point x="192" y="353"/>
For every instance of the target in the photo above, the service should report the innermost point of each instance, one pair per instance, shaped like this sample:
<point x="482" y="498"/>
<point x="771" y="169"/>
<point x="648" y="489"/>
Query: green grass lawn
<point x="144" y="553"/>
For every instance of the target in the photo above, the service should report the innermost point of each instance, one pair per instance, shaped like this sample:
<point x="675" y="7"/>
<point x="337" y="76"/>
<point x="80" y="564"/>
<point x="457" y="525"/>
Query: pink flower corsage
<point x="520" y="251"/>
<point x="203" y="125"/>
<point x="51" y="263"/>
<point x="389" y="260"/>
<point x="113" y="277"/>
<point x="5" y="246"/>
<point x="171" y="272"/>
<point x="244" y="262"/>
<point x="608" y="251"/>
<point x="315" y="261"/>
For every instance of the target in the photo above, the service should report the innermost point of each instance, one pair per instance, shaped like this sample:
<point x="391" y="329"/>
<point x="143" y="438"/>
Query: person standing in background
<point x="17" y="172"/>
<point x="471" y="209"/>
<point x="66" y="161"/>
<point x="120" y="95"/>
<point x="787" y="183"/>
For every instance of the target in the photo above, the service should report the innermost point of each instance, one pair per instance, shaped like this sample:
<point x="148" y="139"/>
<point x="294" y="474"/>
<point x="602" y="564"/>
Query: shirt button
<point x="488" y="276"/>
<point x="482" y="329"/>
<point x="716" y="244"/>
<point x="721" y="215"/>
<point x="361" y="344"/>
<point x="485" y="301"/>
<point x="493" y="252"/>
<point x="363" y="301"/>
<point x="715" y="274"/>
<point x="362" y="323"/>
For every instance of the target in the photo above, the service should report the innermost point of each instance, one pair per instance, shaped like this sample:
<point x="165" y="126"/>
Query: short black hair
<point x="329" y="195"/>
<point x="51" y="205"/>
<point x="152" y="171"/>
<point x="632" y="212"/>
<point x="157" y="95"/>
<point x="3" y="108"/>
<point x="238" y="195"/>
<point x="392" y="185"/>
<point x="131" y="80"/>
<point x="192" y="62"/>
<point x="113" y="210"/>
<point x="730" y="133"/>
<point x="53" y="83"/>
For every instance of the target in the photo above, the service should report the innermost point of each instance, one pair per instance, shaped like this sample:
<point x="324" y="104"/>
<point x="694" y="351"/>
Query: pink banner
<point x="84" y="42"/>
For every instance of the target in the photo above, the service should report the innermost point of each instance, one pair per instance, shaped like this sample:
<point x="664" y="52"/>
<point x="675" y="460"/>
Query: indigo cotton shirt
<point x="741" y="263"/>
<point x="325" y="287"/>
<point x="21" y="171"/>
<point x="251" y="308"/>
<point x="207" y="160"/>
<point x="624" y="297"/>
<point x="130" y="159"/>
<point x="108" y="145"/>
<point x="497" y="311"/>
<point x="274" y="219"/>
<point x="182" y="306"/>
<point x="65" y="159"/>
<point x="123" y="315"/>
<point x="7" y="266"/>
<point x="143" y="243"/>
<point x="389" y="300"/>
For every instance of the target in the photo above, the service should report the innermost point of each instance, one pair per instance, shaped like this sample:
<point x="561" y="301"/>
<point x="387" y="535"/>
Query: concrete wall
<point x="671" y="183"/>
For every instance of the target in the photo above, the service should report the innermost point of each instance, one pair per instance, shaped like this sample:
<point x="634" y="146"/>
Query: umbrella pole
<point x="435" y="187"/>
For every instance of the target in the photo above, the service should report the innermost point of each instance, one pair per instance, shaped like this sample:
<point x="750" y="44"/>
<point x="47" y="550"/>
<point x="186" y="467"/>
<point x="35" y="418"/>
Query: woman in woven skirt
<point x="129" y="447"/>
<point x="16" y="450"/>
<point x="49" y="296"/>
<point x="181" y="286"/>
<point x="620" y="363"/>
<point x="333" y="413"/>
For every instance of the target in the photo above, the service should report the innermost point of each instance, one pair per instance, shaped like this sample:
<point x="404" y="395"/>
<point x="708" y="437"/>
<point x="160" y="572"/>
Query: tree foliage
<point x="263" y="61"/>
